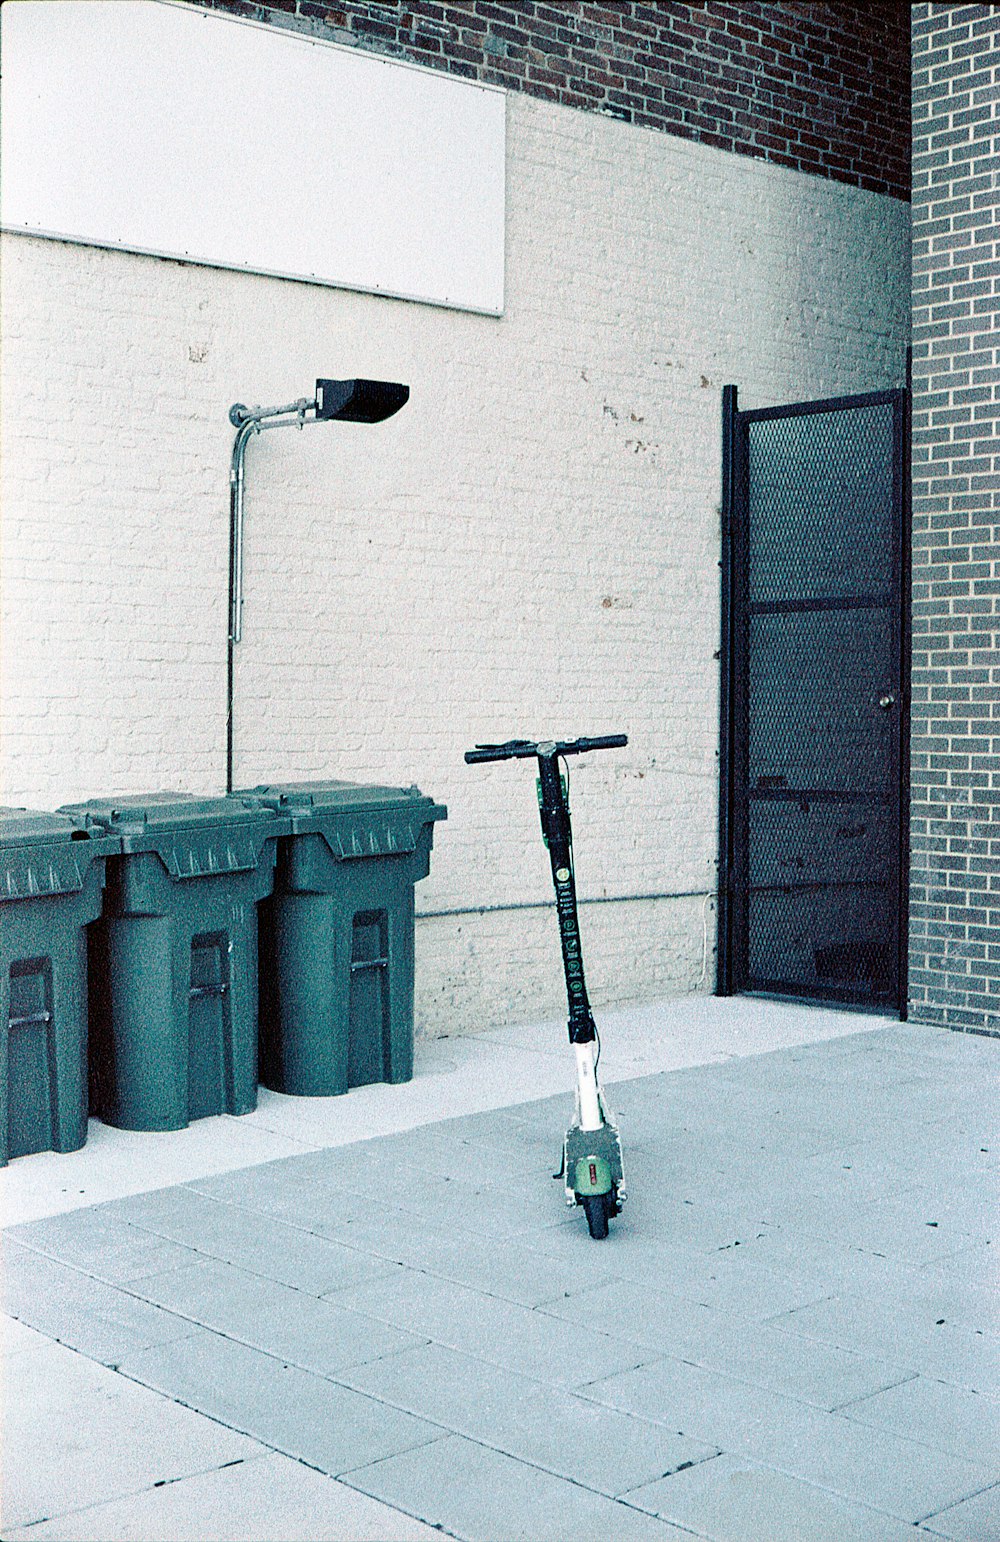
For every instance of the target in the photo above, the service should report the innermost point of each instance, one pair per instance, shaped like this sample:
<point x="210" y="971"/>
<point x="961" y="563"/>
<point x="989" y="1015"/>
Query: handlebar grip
<point x="514" y="749"/>
<point x="602" y="742"/>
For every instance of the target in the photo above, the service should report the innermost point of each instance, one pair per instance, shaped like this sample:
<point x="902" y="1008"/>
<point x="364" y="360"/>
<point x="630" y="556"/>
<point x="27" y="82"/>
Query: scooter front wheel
<point x="596" y="1210"/>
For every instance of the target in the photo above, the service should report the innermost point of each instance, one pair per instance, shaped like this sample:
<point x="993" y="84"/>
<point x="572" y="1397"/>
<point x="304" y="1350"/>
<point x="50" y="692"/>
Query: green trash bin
<point x="51" y="881"/>
<point x="337" y="936"/>
<point x="173" y="1019"/>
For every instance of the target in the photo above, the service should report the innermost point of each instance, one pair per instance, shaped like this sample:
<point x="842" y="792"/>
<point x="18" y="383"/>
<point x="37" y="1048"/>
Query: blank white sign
<point x="168" y="129"/>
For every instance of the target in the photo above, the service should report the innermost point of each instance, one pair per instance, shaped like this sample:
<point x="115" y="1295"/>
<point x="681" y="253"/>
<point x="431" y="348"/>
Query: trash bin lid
<point x="162" y="811"/>
<point x="355" y="820"/>
<point x="29" y="827"/>
<point x="194" y="836"/>
<point x="43" y="853"/>
<point x="333" y="797"/>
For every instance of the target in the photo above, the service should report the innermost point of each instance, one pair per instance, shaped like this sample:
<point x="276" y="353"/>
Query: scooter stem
<point x="558" y="835"/>
<point x="591" y="1117"/>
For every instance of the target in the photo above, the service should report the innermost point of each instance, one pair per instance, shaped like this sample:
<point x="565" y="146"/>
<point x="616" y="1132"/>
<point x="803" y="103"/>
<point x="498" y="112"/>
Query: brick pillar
<point x="955" y="828"/>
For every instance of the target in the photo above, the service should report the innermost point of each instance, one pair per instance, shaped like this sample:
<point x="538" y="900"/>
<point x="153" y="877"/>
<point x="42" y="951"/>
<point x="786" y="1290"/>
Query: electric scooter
<point x="592" y="1153"/>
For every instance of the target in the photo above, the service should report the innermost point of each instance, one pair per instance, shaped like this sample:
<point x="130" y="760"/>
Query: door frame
<point x="733" y="664"/>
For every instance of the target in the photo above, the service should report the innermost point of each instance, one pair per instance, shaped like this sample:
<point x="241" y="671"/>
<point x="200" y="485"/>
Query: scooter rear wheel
<point x="596" y="1210"/>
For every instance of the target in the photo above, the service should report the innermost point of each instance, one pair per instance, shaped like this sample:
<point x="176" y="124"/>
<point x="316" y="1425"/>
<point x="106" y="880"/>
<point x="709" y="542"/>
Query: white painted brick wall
<point x="530" y="548"/>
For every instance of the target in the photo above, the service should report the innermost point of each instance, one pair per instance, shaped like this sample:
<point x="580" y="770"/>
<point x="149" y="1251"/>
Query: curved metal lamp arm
<point x="238" y="414"/>
<point x="249" y="421"/>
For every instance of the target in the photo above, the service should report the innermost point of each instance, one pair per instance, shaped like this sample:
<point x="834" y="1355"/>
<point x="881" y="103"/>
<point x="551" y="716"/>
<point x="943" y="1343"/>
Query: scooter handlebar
<point x="524" y="749"/>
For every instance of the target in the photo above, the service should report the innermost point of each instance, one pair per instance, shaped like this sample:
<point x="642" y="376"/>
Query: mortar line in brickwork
<point x="598" y="899"/>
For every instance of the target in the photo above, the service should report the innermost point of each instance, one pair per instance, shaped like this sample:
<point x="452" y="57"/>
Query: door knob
<point x="885" y="702"/>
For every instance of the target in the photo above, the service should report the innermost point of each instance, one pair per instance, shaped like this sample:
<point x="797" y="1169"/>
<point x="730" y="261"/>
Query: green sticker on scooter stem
<point x="592" y="1176"/>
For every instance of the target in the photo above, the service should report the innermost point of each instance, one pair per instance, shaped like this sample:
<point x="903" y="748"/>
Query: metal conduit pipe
<point x="248" y="422"/>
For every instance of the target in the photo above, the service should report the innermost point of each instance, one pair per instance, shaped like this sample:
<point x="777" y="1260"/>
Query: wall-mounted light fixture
<point x="344" y="401"/>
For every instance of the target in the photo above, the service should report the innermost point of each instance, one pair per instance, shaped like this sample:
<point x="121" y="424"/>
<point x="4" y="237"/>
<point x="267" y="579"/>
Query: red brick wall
<point x="822" y="88"/>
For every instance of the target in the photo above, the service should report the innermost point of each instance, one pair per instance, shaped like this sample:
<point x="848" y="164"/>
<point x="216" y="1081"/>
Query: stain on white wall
<point x="530" y="548"/>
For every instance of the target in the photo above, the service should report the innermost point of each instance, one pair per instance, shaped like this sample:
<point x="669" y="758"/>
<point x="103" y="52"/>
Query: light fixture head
<point x="359" y="401"/>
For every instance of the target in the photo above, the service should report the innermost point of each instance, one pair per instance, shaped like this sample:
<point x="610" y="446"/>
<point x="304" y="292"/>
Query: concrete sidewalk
<point x="791" y="1334"/>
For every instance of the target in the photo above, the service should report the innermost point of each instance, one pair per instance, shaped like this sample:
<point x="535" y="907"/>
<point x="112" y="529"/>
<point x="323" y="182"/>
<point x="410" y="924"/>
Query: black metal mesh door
<point x="814" y="715"/>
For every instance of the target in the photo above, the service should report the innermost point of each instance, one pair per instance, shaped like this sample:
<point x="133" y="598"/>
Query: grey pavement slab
<point x="542" y="1425"/>
<point x="956" y="1143"/>
<point x="841" y="1269"/>
<point x="291" y="1410"/>
<point x="260" y="1245"/>
<point x="501" y="1332"/>
<point x="75" y="1433"/>
<point x="292" y="1326"/>
<point x="88" y="1315"/>
<point x="516" y="1271"/>
<point x="16" y="1337"/>
<point x="654" y="1320"/>
<point x="428" y="1170"/>
<point x="493" y="1154"/>
<point x="949" y="1418"/>
<point x="961" y="1210"/>
<point x="730" y="1278"/>
<point x="963" y="1303"/>
<point x="953" y="1353"/>
<point x="510" y="1210"/>
<point x="524" y="1131"/>
<point x="102" y="1245"/>
<point x="472" y="1491"/>
<point x="911" y="1225"/>
<point x="267" y="1498"/>
<point x="870" y="1466"/>
<point x="735" y="1501"/>
<point x="822" y="1374"/>
<point x="861" y="1172"/>
<point x="406" y="1177"/>
<point x="693" y="1218"/>
<point x="436" y="1243"/>
<point x="974" y="1520"/>
<point x="976" y="1267"/>
<point x="290" y="1190"/>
